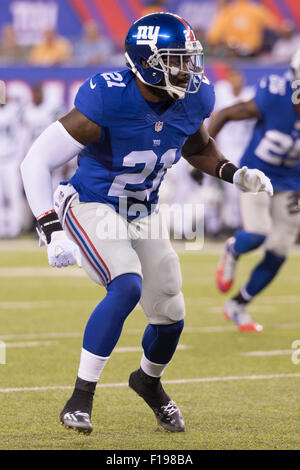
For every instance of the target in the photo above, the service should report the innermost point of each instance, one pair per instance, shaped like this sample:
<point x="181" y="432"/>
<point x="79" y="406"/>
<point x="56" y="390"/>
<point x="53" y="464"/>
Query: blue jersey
<point x="137" y="145"/>
<point x="275" y="144"/>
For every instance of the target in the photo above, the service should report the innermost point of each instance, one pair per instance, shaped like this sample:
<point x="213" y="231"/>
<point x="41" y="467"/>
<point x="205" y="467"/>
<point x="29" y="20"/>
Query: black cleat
<point x="77" y="412"/>
<point x="166" y="411"/>
<point x="77" y="420"/>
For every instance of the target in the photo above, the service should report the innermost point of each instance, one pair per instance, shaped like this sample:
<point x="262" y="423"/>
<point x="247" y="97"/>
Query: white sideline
<point x="178" y="381"/>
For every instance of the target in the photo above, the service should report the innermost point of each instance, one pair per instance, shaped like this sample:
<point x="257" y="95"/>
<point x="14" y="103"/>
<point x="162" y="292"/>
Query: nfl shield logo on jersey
<point x="158" y="126"/>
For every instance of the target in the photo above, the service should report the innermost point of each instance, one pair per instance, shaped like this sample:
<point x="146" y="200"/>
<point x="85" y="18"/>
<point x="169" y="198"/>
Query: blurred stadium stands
<point x="59" y="43"/>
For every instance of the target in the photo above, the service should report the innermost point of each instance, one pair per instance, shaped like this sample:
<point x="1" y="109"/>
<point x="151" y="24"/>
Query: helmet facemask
<point x="168" y="64"/>
<point x="188" y="63"/>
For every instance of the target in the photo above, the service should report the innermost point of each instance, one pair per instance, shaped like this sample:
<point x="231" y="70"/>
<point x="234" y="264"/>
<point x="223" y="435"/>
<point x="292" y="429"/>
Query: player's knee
<point x="279" y="251"/>
<point x="171" y="305"/>
<point x="169" y="273"/>
<point x="282" y="239"/>
<point x="169" y="309"/>
<point x="278" y="245"/>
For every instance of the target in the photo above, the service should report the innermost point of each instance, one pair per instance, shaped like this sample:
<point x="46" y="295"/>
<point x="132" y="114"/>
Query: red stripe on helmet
<point x="192" y="35"/>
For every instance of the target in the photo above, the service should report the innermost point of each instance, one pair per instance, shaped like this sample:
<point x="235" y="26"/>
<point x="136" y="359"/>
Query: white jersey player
<point x="37" y="116"/>
<point x="11" y="148"/>
<point x="232" y="139"/>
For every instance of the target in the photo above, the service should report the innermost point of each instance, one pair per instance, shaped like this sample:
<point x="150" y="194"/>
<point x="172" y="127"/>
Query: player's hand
<point x="252" y="181"/>
<point x="62" y="251"/>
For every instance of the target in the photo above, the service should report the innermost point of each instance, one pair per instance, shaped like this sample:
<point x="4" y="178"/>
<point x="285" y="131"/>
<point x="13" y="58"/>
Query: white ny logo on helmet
<point x="147" y="34"/>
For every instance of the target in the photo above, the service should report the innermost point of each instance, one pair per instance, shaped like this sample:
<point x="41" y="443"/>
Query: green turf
<point x="237" y="414"/>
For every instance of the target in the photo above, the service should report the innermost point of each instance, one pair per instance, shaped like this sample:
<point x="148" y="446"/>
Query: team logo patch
<point x="147" y="34"/>
<point x="61" y="196"/>
<point x="158" y="126"/>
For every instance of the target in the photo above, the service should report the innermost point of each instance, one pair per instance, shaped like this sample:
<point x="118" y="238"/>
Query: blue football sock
<point x="263" y="274"/>
<point x="246" y="241"/>
<point x="104" y="326"/>
<point x="160" y="341"/>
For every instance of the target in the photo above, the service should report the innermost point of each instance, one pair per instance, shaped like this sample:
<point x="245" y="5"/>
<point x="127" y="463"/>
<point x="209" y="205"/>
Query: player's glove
<point x="252" y="181"/>
<point x="61" y="251"/>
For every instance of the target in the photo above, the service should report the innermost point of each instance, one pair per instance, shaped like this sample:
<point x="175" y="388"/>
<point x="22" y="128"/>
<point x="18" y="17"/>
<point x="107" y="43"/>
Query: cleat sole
<point x="253" y="327"/>
<point x="76" y="428"/>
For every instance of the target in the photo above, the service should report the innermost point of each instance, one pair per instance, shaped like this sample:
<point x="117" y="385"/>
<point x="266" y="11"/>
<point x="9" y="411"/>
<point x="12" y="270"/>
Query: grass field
<point x="235" y="390"/>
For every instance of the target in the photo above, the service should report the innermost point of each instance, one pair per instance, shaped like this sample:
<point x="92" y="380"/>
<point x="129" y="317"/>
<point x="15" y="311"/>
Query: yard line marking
<point x="30" y="344"/>
<point x="286" y="326"/>
<point x="281" y="299"/>
<point x="25" y="304"/>
<point x="40" y="336"/>
<point x="140" y="349"/>
<point x="24" y="271"/>
<point x="209" y="248"/>
<point x="253" y="308"/>
<point x="176" y="381"/>
<point x="275" y="352"/>
<point x="187" y="330"/>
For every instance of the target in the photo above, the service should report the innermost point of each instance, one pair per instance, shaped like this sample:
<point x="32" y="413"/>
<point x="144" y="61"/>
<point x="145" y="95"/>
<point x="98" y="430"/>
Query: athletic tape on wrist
<point x="225" y="170"/>
<point x="49" y="223"/>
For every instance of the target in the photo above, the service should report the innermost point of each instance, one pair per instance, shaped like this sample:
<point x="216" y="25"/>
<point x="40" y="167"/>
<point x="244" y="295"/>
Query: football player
<point x="129" y="127"/>
<point x="12" y="139"/>
<point x="37" y="116"/>
<point x="275" y="149"/>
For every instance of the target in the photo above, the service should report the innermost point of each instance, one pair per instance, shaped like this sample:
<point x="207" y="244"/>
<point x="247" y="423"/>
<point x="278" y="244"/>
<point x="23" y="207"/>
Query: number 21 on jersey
<point x="150" y="159"/>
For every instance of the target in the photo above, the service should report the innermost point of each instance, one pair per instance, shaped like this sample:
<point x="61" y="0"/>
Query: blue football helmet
<point x="168" y="46"/>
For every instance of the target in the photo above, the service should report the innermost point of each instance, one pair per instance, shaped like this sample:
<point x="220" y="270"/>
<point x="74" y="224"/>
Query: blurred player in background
<point x="129" y="127"/>
<point x="222" y="211"/>
<point x="37" y="116"/>
<point x="11" y="154"/>
<point x="275" y="149"/>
